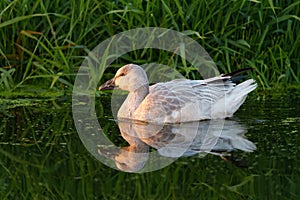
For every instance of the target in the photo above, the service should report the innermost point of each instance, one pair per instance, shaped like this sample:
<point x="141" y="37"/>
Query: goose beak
<point x="108" y="85"/>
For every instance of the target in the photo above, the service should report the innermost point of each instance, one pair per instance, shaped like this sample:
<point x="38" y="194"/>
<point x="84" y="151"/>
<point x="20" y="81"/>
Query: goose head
<point x="129" y="77"/>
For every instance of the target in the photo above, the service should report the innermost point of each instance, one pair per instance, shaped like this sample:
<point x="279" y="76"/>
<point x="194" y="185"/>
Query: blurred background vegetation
<point x="44" y="42"/>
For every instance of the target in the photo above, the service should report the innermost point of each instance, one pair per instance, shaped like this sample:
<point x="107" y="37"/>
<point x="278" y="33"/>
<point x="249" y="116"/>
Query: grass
<point x="44" y="42"/>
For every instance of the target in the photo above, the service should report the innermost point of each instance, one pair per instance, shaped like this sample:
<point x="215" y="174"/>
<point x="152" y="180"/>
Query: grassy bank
<point x="43" y="42"/>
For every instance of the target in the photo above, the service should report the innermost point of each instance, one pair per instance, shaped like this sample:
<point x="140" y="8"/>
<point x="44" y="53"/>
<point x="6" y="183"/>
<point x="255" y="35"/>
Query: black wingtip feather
<point x="238" y="72"/>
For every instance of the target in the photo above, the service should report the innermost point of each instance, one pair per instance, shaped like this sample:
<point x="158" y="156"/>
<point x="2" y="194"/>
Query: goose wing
<point x="182" y="100"/>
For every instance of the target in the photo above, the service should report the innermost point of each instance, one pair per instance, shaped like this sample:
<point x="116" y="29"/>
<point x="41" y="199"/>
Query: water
<point x="43" y="157"/>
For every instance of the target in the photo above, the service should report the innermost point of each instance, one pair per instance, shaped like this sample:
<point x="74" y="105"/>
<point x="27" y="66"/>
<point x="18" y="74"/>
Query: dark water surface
<point x="42" y="157"/>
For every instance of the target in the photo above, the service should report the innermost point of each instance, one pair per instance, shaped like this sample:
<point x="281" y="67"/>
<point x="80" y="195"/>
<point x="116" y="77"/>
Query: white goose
<point x="180" y="100"/>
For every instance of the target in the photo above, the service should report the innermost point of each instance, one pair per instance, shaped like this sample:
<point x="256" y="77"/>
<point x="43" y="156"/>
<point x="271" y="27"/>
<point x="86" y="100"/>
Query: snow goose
<point x="180" y="100"/>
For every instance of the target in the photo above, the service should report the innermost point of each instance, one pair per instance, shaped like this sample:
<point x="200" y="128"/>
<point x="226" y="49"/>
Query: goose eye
<point x="123" y="74"/>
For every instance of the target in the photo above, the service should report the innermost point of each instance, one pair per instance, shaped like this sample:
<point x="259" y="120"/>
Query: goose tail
<point x="237" y="96"/>
<point x="233" y="99"/>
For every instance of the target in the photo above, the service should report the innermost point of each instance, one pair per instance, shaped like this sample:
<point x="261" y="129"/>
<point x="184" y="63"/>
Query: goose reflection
<point x="218" y="137"/>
